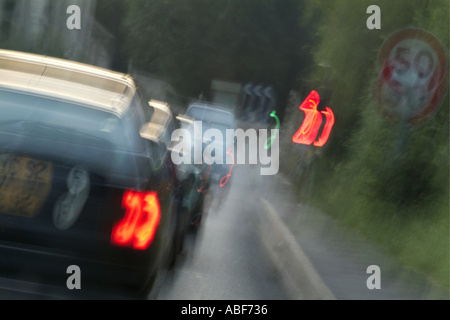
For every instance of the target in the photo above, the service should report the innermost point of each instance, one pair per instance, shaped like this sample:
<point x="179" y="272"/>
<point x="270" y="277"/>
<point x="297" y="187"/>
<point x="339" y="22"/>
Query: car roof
<point x="210" y="106"/>
<point x="66" y="80"/>
<point x="185" y="118"/>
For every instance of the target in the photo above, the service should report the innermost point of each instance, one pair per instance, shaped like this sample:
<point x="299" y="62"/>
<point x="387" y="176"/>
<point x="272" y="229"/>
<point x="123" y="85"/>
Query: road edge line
<point x="299" y="274"/>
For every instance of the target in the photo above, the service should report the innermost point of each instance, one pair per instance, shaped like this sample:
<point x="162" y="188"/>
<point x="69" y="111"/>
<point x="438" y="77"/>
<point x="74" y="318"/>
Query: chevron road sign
<point x="259" y="91"/>
<point x="268" y="92"/>
<point x="258" y="102"/>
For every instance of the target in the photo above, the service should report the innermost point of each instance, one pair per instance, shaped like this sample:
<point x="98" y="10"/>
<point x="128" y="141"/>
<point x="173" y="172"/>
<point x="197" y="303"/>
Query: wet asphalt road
<point x="228" y="260"/>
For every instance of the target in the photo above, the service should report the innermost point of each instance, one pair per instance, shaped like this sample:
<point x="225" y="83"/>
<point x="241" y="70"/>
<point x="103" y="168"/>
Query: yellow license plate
<point x="24" y="185"/>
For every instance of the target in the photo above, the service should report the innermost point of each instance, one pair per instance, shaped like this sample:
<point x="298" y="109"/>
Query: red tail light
<point x="138" y="226"/>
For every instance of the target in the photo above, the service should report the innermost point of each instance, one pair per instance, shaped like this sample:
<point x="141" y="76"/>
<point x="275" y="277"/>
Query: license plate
<point x="25" y="184"/>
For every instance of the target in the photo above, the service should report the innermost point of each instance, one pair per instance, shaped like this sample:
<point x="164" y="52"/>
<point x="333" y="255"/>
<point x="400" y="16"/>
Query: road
<point x="228" y="260"/>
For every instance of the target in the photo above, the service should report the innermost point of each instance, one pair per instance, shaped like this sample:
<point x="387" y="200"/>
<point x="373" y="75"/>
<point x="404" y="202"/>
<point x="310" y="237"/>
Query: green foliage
<point x="396" y="197"/>
<point x="111" y="14"/>
<point x="351" y="50"/>
<point x="192" y="42"/>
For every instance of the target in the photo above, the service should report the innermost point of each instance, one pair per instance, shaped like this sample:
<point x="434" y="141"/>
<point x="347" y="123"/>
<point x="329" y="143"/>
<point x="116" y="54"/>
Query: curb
<point x="301" y="279"/>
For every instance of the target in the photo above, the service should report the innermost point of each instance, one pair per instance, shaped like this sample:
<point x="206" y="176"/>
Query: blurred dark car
<point x="164" y="125"/>
<point x="199" y="174"/>
<point x="160" y="131"/>
<point x="81" y="181"/>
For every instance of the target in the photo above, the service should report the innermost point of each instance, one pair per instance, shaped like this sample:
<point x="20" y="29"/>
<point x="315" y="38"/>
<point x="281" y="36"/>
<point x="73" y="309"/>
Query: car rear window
<point x="58" y="120"/>
<point x="211" y="115"/>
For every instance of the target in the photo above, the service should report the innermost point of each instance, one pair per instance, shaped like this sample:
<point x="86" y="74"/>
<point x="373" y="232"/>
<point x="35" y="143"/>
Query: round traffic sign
<point x="412" y="81"/>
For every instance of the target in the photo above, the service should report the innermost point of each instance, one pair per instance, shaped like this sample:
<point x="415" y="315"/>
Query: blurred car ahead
<point x="215" y="117"/>
<point x="187" y="174"/>
<point x="194" y="200"/>
<point x="160" y="130"/>
<point x="81" y="181"/>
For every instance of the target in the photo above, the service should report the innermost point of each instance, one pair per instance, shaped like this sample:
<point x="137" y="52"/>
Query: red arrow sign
<point x="312" y="122"/>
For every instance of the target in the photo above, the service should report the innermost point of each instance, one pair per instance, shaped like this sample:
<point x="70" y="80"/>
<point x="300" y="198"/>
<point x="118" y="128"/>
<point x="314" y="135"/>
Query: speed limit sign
<point x="412" y="82"/>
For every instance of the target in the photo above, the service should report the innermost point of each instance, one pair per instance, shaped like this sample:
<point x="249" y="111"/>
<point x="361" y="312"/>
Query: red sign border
<point x="440" y="91"/>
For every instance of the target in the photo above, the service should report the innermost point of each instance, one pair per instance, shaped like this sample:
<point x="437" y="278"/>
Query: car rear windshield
<point x="211" y="115"/>
<point x="46" y="118"/>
